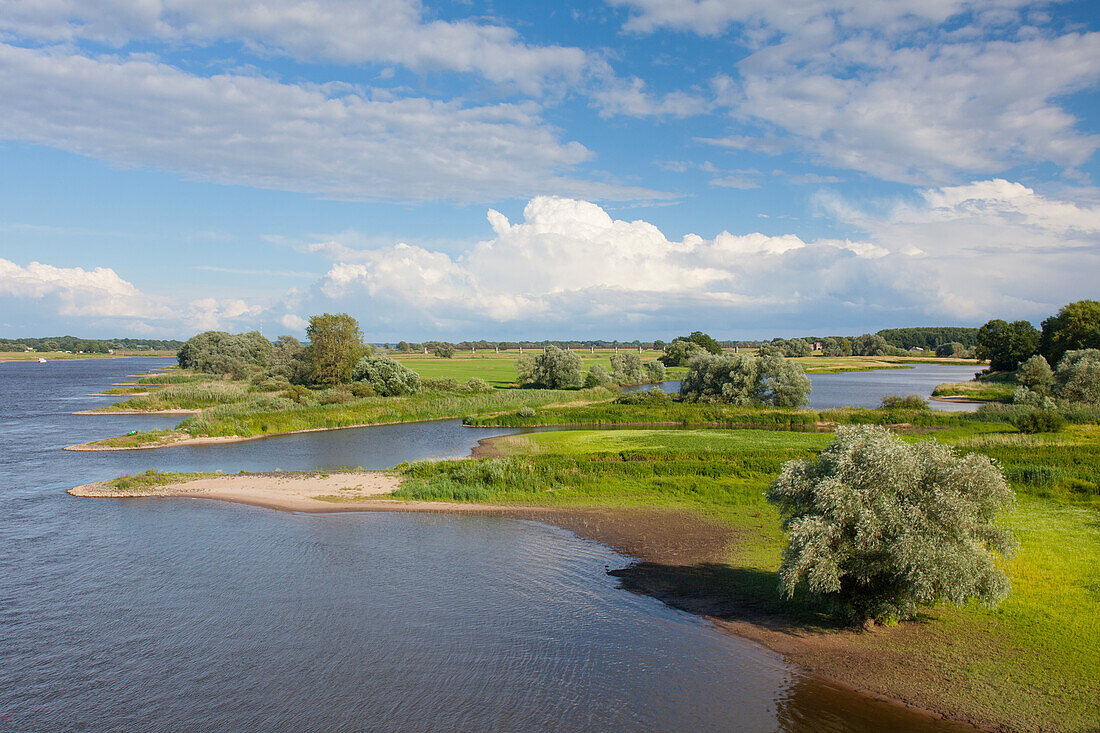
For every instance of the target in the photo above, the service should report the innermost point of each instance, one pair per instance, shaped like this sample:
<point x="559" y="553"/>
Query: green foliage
<point x="1038" y="421"/>
<point x="335" y="345"/>
<point x="878" y="527"/>
<point x="1036" y="375"/>
<point x="652" y="397"/>
<point x="705" y="341"/>
<point x="218" y="352"/>
<point x="679" y="352"/>
<point x="554" y="368"/>
<point x="597" y="376"/>
<point x="739" y="379"/>
<point x="290" y="361"/>
<point x="793" y="347"/>
<point x="655" y="372"/>
<point x="1077" y="378"/>
<point x="626" y="368"/>
<point x="870" y="344"/>
<point x="952" y="349"/>
<point x="1075" y="327"/>
<point x="1005" y="344"/>
<point x="908" y="402"/>
<point x="385" y="376"/>
<point x="929" y="337"/>
<point x="444" y="351"/>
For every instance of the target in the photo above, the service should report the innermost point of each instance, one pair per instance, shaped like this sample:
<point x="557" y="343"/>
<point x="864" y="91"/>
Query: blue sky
<point x="625" y="169"/>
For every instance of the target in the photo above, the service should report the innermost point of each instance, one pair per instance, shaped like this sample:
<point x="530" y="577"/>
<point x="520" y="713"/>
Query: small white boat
<point x="41" y="360"/>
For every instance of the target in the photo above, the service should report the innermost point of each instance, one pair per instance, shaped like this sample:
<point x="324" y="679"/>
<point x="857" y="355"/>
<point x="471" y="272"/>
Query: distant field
<point x="59" y="356"/>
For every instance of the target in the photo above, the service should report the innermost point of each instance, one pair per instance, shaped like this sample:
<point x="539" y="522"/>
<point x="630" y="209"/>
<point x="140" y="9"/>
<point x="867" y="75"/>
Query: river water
<point x="181" y="614"/>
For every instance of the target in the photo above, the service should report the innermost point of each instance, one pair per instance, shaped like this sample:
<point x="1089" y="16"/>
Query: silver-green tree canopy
<point x="878" y="527"/>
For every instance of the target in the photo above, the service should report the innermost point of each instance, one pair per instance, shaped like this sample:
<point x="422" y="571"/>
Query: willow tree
<point x="878" y="527"/>
<point x="335" y="345"/>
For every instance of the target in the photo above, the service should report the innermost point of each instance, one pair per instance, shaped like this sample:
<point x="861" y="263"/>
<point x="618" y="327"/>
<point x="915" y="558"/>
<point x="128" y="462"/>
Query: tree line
<point x="88" y="346"/>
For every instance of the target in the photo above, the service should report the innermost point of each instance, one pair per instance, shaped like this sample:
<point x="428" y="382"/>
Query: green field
<point x="1042" y="672"/>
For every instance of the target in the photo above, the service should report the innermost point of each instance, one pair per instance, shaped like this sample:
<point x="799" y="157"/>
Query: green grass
<point x="152" y="479"/>
<point x="977" y="391"/>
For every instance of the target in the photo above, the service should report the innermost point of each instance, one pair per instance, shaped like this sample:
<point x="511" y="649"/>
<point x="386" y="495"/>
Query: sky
<point x="528" y="170"/>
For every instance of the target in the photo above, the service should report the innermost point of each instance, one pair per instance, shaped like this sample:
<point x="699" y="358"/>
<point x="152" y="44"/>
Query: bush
<point x="1038" y="421"/>
<point x="653" y="397"/>
<point x="1025" y="396"/>
<point x="218" y="352"/>
<point x="655" y="372"/>
<point x="361" y="389"/>
<point x="597" y="377"/>
<point x="951" y="349"/>
<point x="1036" y="375"/>
<point x="908" y="402"/>
<point x="476" y="384"/>
<point x="554" y="368"/>
<point x="627" y="368"/>
<point x="526" y="411"/>
<point x="444" y="351"/>
<point x="1077" y="378"/>
<point x="680" y="352"/>
<point x="336" y="396"/>
<point x="385" y="376"/>
<point x="878" y="527"/>
<point x="739" y="379"/>
<point x="298" y="394"/>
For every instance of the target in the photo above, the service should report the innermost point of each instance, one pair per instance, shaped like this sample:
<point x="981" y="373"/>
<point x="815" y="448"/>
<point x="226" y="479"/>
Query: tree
<point x="797" y="347"/>
<point x="739" y="379"/>
<point x="626" y="368"/>
<point x="705" y="341"/>
<point x="679" y="352"/>
<point x="1005" y="344"/>
<point x="290" y="361"/>
<point x="655" y="372"/>
<point x="1035" y="374"/>
<point x="387" y="377"/>
<point x="831" y="347"/>
<point x="218" y="352"/>
<point x="444" y="351"/>
<point x="597" y="377"/>
<point x="951" y="349"/>
<point x="870" y="344"/>
<point x="335" y="345"/>
<point x="1076" y="327"/>
<point x="554" y="368"/>
<point x="1077" y="378"/>
<point x="878" y="527"/>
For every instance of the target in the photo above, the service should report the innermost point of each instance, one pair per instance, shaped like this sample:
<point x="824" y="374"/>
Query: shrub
<point x="526" y="411"/>
<point x="298" y="394"/>
<point x="1038" y="421"/>
<point x="652" y="396"/>
<point x="739" y="379"/>
<point x="385" y="376"/>
<point x="878" y="527"/>
<point x="908" y="402"/>
<point x="336" y="396"/>
<point x="361" y="389"/>
<point x="554" y="368"/>
<point x="1025" y="396"/>
<point x="476" y="384"/>
<point x="218" y="352"/>
<point x="655" y="372"/>
<point x="1035" y="374"/>
<point x="444" y="351"/>
<point x="1077" y="378"/>
<point x="627" y="368"/>
<point x="597" y="377"/>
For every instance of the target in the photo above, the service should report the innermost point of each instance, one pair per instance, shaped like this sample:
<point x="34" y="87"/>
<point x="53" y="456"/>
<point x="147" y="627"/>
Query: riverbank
<point x="676" y="550"/>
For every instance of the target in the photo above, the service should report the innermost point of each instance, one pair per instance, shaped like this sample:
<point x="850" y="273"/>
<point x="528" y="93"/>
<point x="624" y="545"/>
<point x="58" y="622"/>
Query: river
<point x="184" y="614"/>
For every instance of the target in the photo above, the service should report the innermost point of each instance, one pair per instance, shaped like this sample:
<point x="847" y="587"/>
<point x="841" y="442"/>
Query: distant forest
<point x="88" y="346"/>
<point x="929" y="337"/>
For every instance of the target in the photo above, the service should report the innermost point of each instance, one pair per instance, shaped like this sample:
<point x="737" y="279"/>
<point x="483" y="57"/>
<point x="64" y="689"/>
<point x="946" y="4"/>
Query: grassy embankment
<point x="1033" y="663"/>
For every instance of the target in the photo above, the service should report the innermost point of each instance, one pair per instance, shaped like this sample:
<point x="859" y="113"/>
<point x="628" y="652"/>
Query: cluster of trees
<point x="88" y="346"/>
<point x="556" y="368"/>
<point x="683" y="348"/>
<point x="1077" y="379"/>
<point x="878" y="527"/>
<point x="1005" y="345"/>
<point x="740" y="379"/>
<point x="335" y="356"/>
<point x="929" y="337"/>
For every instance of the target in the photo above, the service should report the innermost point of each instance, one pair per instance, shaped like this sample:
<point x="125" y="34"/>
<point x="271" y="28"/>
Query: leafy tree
<point x="403" y="347"/>
<point x="679" y="352"/>
<point x="554" y="368"/>
<point x="1036" y="375"/>
<point x="870" y="344"/>
<point x="626" y="368"/>
<point x="770" y="350"/>
<point x="740" y="379"/>
<point x="705" y="341"/>
<point x="597" y="377"/>
<point x="878" y="527"/>
<point x="1076" y="327"/>
<point x="928" y="337"/>
<point x="1005" y="344"/>
<point x="387" y="377"/>
<point x="1077" y="378"/>
<point x="218" y="352"/>
<point x="951" y="349"/>
<point x="794" y="347"/>
<point x="658" y="344"/>
<point x="831" y="347"/>
<point x="290" y="361"/>
<point x="444" y="351"/>
<point x="335" y="345"/>
<point x="655" y="372"/>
